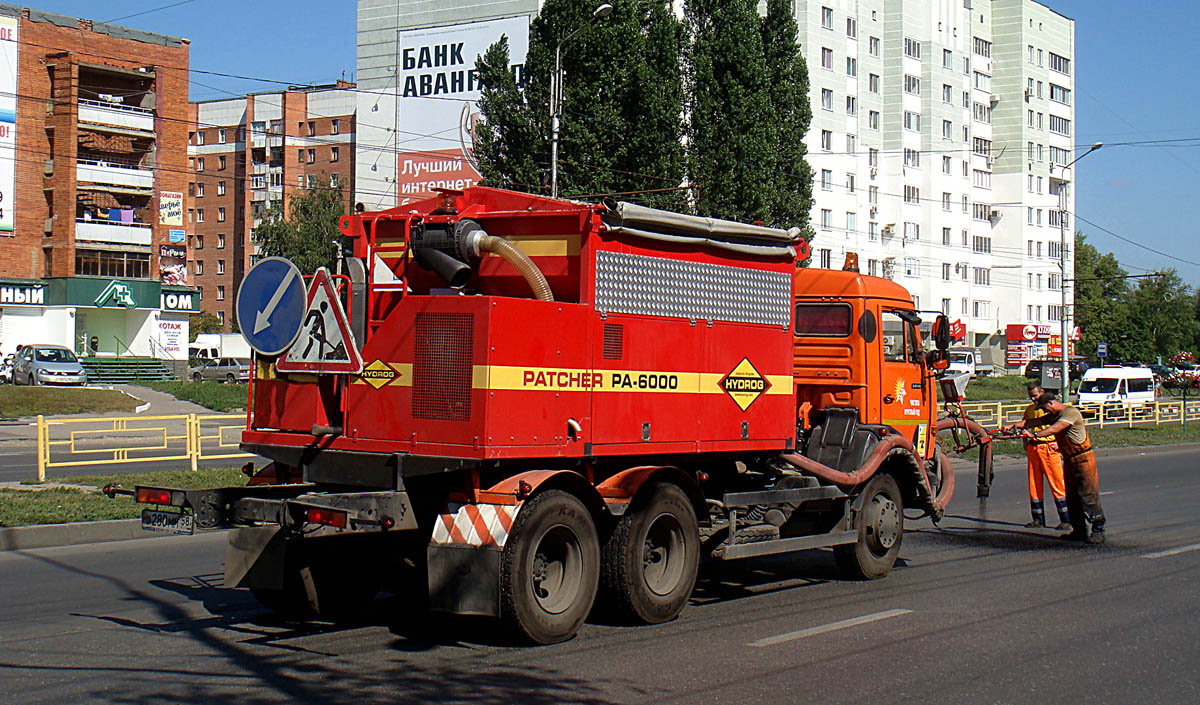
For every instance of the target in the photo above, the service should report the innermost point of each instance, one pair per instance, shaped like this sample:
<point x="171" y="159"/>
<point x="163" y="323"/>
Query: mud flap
<point x="464" y="579"/>
<point x="254" y="557"/>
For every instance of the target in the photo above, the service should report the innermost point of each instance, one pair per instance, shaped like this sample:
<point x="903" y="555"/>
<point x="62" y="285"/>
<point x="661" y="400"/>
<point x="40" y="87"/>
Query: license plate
<point x="170" y="522"/>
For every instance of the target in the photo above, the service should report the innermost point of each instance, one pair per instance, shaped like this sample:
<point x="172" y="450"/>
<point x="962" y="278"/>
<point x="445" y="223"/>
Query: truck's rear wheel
<point x="549" y="569"/>
<point x="880" y="524"/>
<point x="650" y="561"/>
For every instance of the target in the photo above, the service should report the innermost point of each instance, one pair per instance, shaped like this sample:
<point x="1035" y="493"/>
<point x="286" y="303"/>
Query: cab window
<point x="900" y="343"/>
<point x="823" y="320"/>
<point x="1139" y="385"/>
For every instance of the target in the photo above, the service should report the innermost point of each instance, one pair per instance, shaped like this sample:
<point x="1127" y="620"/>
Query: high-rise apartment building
<point x="937" y="143"/>
<point x="250" y="154"/>
<point x="93" y="135"/>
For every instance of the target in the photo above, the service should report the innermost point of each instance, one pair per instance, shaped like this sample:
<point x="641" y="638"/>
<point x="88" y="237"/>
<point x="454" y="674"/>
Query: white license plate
<point x="170" y="522"/>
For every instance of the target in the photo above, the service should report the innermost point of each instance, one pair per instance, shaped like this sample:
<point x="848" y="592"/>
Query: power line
<point x="146" y="12"/>
<point x="1136" y="243"/>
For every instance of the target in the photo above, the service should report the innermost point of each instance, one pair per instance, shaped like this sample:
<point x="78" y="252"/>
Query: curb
<point x="19" y="538"/>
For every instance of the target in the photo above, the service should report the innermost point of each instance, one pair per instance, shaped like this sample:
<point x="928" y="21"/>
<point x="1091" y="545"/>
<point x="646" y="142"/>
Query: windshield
<point x="961" y="357"/>
<point x="1103" y="385"/>
<point x="55" y="355"/>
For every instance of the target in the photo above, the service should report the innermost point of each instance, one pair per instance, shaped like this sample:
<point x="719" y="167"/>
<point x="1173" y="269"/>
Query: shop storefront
<point x="97" y="316"/>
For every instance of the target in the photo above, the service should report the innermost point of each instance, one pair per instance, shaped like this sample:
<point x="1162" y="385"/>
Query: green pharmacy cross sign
<point x="119" y="293"/>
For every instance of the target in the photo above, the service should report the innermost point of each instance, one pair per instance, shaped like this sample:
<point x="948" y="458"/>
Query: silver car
<point x="221" y="369"/>
<point x="47" y="364"/>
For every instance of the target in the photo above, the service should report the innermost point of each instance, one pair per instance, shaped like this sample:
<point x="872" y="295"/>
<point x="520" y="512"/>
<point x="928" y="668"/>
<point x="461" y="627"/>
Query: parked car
<point x="1076" y="366"/>
<point x="6" y="368"/>
<point x="222" y="369"/>
<point x="1113" y="384"/>
<point x="47" y="364"/>
<point x="962" y="361"/>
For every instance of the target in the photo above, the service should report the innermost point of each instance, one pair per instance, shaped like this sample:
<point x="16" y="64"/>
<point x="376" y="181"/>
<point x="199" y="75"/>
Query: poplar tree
<point x="730" y="126"/>
<point x="791" y="193"/>
<point x="622" y="100"/>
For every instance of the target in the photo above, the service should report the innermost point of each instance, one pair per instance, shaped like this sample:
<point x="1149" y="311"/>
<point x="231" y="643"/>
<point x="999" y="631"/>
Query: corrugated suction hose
<point x="520" y="261"/>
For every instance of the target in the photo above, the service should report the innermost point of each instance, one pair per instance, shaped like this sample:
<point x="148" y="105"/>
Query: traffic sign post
<point x="325" y="343"/>
<point x="270" y="305"/>
<point x="1101" y="350"/>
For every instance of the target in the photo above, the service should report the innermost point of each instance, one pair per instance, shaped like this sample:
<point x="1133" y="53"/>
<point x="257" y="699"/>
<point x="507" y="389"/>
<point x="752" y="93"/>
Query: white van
<point x="962" y="361"/>
<point x="1127" y="386"/>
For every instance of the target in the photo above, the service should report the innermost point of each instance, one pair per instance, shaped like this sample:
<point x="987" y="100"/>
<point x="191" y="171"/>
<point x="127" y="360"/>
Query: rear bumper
<point x="336" y="466"/>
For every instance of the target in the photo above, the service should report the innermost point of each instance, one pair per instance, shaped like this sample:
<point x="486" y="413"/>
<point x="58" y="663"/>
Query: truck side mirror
<point x="941" y="332"/>
<point x="937" y="359"/>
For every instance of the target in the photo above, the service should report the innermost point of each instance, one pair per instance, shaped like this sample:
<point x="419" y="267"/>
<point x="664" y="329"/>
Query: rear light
<point x="327" y="517"/>
<point x="151" y="495"/>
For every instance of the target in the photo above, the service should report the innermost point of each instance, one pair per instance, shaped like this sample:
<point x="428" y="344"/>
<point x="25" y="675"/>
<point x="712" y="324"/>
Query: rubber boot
<point x="1097" y="535"/>
<point x="1064" y="518"/>
<point x="1039" y="515"/>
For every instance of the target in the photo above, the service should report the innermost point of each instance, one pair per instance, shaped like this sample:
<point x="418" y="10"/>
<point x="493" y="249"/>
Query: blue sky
<point x="1136" y="81"/>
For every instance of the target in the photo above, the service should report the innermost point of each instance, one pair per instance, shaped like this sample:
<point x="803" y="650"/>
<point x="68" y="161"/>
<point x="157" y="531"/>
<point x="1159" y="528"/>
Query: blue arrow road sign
<point x="270" y="305"/>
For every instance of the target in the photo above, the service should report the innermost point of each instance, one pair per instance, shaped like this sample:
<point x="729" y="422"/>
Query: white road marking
<point x="1172" y="551"/>
<point x="825" y="628"/>
<point x="1107" y="493"/>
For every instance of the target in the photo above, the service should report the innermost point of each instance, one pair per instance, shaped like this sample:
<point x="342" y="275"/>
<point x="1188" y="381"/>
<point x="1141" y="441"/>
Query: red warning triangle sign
<point x="325" y="343"/>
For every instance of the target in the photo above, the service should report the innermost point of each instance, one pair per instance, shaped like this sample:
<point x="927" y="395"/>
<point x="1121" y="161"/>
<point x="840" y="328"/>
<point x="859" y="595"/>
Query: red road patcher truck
<point x="565" y="404"/>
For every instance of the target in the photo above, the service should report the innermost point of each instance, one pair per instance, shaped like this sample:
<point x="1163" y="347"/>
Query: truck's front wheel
<point x="880" y="524"/>
<point x="651" y="559"/>
<point x="549" y="569"/>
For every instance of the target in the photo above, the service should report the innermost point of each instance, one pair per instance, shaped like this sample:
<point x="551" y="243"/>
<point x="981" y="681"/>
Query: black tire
<point x="880" y="524"/>
<point x="549" y="570"/>
<point x="649" y="564"/>
<point x="197" y="377"/>
<point x="230" y="378"/>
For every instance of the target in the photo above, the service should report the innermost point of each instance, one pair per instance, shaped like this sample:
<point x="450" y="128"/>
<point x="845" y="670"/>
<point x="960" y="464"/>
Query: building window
<point x="851" y="66"/>
<point x="826" y="99"/>
<point x="220" y="188"/>
<point x="912" y="84"/>
<point x="982" y="48"/>
<point x="220" y="241"/>
<point x="333" y="180"/>
<point x="312" y="180"/>
<point x="912" y="194"/>
<point x="964" y="236"/>
<point x="873" y="83"/>
<point x="983" y="276"/>
<point x="220" y="293"/>
<point x="945" y="203"/>
<point x="335" y="127"/>
<point x="312" y="128"/>
<point x="1060" y="64"/>
<point x="873" y="195"/>
<point x="947" y="58"/>
<point x="200" y="137"/>
<point x="873" y="236"/>
<point x="912" y="158"/>
<point x="1060" y="125"/>
<point x="982" y="211"/>
<point x="299" y="180"/>
<point x="912" y="267"/>
<point x="946" y="307"/>
<point x="1052" y="284"/>
<point x="826" y="219"/>
<point x="982" y="245"/>
<point x="333" y="154"/>
<point x="873" y="46"/>
<point x="873" y="267"/>
<point x="946" y="237"/>
<point x="200" y="161"/>
<point x="199" y="215"/>
<point x="220" y="215"/>
<point x="850" y="183"/>
<point x="912" y="121"/>
<point x="199" y="266"/>
<point x="824" y="258"/>
<point x="826" y="140"/>
<point x="826" y="58"/>
<point x="221" y="163"/>
<point x="221" y="135"/>
<point x="827" y="17"/>
<point x="199" y="242"/>
<point x="851" y="105"/>
<point x="312" y="156"/>
<point x="945" y="271"/>
<point x="912" y="48"/>
<point x="873" y="119"/>
<point x="851" y="222"/>
<point x="982" y="147"/>
<point x="982" y="113"/>
<point x="947" y="93"/>
<point x="851" y="28"/>
<point x="105" y="263"/>
<point x="872" y="157"/>
<point x="947" y="130"/>
<point x="983" y="309"/>
<point x="200" y="189"/>
<point x="220" y="266"/>
<point x="912" y="231"/>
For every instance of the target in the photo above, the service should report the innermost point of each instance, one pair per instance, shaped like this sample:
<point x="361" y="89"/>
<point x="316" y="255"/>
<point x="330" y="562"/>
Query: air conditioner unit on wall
<point x="994" y="215"/>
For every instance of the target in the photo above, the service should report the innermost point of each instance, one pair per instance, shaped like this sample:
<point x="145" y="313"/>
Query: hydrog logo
<point x="744" y="384"/>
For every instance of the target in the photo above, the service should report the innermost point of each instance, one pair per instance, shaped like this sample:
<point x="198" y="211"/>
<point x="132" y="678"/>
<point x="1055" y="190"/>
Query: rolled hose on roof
<point x="519" y="260"/>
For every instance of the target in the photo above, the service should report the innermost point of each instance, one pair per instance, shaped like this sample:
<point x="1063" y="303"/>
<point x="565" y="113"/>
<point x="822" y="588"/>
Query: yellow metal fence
<point x="188" y="438"/>
<point x="993" y="414"/>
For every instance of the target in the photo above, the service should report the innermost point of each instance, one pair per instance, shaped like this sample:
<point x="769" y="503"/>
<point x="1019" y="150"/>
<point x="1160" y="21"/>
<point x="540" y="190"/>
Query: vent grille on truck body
<point x="614" y="341"/>
<point x="442" y="366"/>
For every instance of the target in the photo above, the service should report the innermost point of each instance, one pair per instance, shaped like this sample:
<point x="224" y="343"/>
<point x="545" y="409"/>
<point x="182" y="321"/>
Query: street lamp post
<point x="1062" y="266"/>
<point x="603" y="10"/>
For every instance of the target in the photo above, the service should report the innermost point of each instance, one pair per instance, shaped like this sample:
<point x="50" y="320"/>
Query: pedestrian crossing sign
<point x="326" y="343"/>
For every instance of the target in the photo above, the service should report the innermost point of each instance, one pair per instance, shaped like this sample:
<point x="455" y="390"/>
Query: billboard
<point x="436" y="112"/>
<point x="170" y="208"/>
<point x="8" y="119"/>
<point x="172" y="264"/>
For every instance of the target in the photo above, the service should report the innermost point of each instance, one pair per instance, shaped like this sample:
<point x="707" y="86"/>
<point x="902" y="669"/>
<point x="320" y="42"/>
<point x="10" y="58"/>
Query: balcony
<point x="114" y="173"/>
<point x="117" y="115"/>
<point x="108" y="231"/>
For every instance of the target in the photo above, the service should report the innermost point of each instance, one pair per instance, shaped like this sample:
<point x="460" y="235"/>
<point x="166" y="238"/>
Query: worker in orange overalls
<point x="1044" y="460"/>
<point x="1079" y="466"/>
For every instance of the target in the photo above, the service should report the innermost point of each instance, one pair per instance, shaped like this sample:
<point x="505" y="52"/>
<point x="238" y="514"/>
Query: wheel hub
<point x="883" y="522"/>
<point x="662" y="555"/>
<point x="556" y="570"/>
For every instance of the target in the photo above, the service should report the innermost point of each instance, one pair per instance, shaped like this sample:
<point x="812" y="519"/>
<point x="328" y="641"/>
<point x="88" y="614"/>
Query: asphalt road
<point x="980" y="610"/>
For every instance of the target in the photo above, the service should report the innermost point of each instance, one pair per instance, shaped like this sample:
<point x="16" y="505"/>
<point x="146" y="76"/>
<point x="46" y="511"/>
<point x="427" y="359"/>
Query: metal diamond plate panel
<point x="657" y="286"/>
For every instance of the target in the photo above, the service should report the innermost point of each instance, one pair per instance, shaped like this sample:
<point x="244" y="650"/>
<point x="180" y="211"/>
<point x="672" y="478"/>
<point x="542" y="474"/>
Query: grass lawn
<point x="60" y="505"/>
<point x="16" y="402"/>
<point x="211" y="395"/>
<point x="1113" y="437"/>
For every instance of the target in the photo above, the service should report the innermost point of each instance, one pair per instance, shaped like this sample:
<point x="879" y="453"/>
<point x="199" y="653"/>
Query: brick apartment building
<point x="93" y="135"/>
<point x="248" y="155"/>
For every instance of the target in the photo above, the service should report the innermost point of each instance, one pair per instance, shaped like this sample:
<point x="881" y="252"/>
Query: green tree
<point x="307" y="234"/>
<point x="622" y="102"/>
<point x="730" y="127"/>
<point x="791" y="193"/>
<point x="203" y="322"/>
<point x="1101" y="301"/>
<point x="1161" y="317"/>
